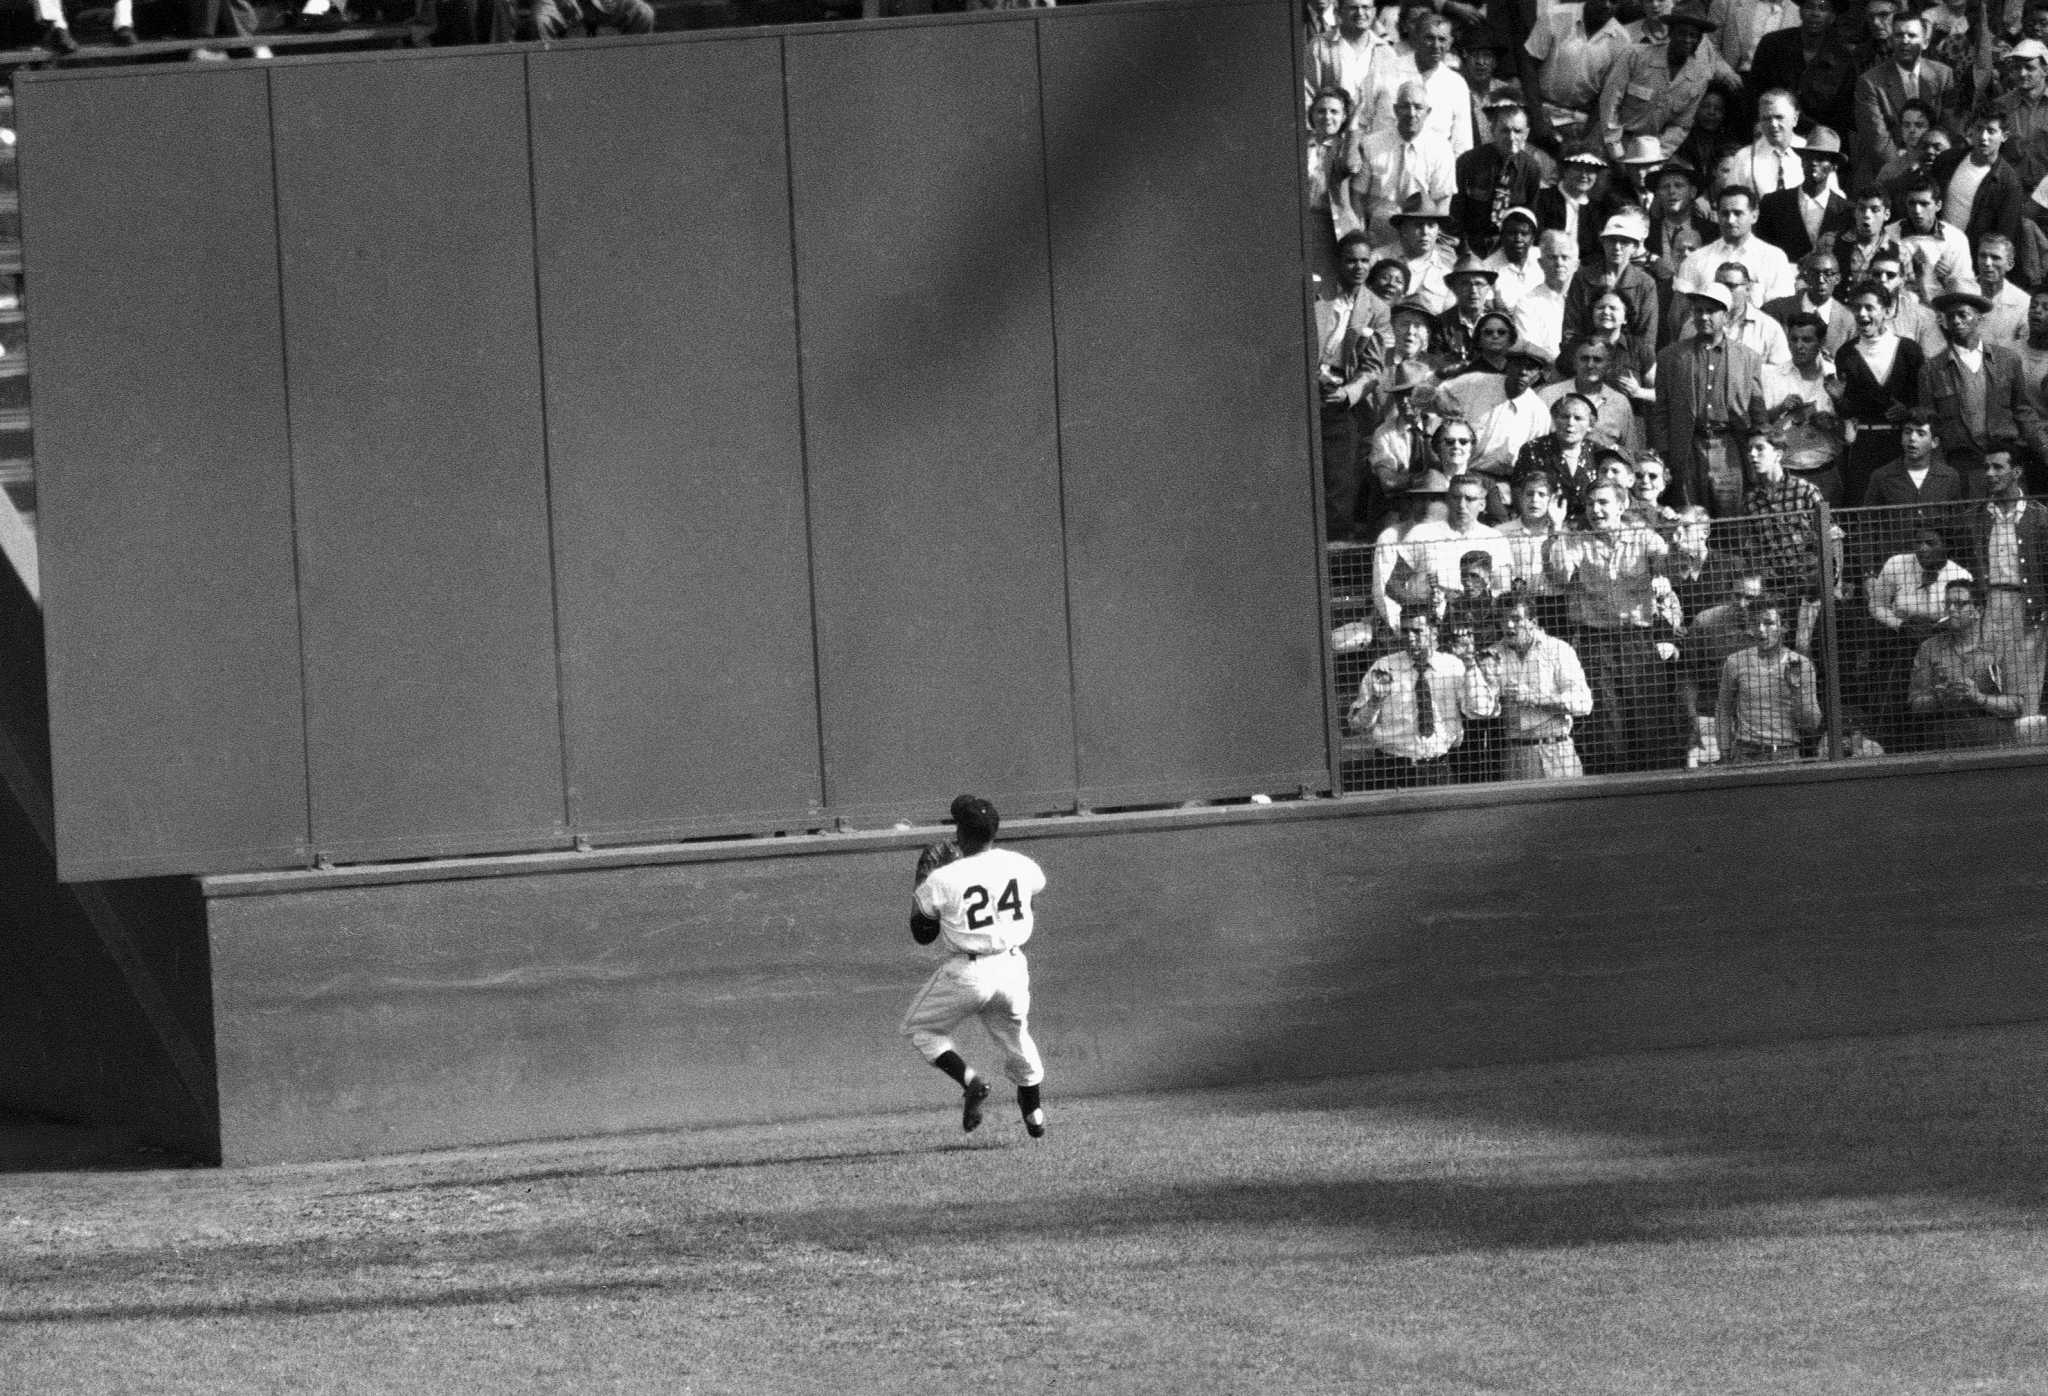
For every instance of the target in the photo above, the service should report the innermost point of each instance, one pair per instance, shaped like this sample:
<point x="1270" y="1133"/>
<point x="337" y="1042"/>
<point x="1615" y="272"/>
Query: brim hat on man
<point x="2028" y="48"/>
<point x="1409" y="374"/>
<point x="1970" y="298"/>
<point x="1419" y="209"/>
<point x="1712" y="291"/>
<point x="1681" y="168"/>
<point x="1469" y="265"/>
<point x="1824" y="144"/>
<point x="1529" y="353"/>
<point x="1412" y="305"/>
<point x="1642" y="150"/>
<point x="1692" y="14"/>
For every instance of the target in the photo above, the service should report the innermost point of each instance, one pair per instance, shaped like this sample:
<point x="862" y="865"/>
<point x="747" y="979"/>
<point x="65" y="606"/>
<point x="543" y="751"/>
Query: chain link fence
<point x="1675" y="642"/>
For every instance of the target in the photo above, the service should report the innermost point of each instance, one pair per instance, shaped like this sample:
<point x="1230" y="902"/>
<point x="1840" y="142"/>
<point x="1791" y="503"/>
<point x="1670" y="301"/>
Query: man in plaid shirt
<point x="1782" y="532"/>
<point x="1769" y="697"/>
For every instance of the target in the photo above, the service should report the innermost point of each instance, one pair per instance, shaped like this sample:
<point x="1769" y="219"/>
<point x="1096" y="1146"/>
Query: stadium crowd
<point x="1683" y="378"/>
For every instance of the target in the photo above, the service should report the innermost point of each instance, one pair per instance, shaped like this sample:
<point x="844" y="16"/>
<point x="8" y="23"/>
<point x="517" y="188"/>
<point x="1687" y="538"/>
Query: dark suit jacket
<point x="2009" y="414"/>
<point x="1907" y="509"/>
<point x="1549" y="211"/>
<point x="1779" y="223"/>
<point x="2001" y="201"/>
<point x="1478" y="172"/>
<point x="1879" y="95"/>
<point x="1825" y="84"/>
<point x="1671" y="415"/>
<point x="2033" y="539"/>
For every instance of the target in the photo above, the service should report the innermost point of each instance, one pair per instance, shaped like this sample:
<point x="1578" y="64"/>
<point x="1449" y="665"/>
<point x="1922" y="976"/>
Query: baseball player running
<point x="978" y="907"/>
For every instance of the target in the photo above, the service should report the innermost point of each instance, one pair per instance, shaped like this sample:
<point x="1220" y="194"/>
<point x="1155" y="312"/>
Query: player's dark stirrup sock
<point x="1027" y="1099"/>
<point x="954" y="1065"/>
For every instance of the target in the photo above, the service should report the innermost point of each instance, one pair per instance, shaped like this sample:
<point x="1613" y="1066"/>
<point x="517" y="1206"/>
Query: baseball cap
<point x="974" y="815"/>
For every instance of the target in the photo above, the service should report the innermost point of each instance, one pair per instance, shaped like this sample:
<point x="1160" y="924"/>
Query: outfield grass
<point x="1857" y="1217"/>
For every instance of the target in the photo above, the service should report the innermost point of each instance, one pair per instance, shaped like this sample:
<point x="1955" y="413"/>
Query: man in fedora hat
<point x="1974" y="393"/>
<point x="1471" y="282"/>
<point x="1629" y="190"/>
<point x="1419" y="248"/>
<point x="1653" y="90"/>
<point x="1797" y="220"/>
<point x="1400" y="452"/>
<point x="1423" y="518"/>
<point x="1504" y="173"/>
<point x="1403" y="161"/>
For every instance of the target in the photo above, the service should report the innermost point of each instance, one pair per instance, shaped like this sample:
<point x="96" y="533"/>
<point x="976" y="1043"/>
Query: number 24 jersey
<point x="983" y="901"/>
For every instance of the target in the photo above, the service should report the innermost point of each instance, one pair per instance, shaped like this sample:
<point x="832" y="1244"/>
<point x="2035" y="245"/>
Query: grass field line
<point x="1855" y="1216"/>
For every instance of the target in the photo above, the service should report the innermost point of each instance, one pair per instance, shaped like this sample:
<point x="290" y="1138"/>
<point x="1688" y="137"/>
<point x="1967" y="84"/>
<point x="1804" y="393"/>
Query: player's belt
<point x="988" y="954"/>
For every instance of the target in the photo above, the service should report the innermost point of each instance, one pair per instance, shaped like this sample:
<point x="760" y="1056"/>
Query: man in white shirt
<point x="2006" y="322"/>
<point x="1574" y="46"/>
<point x="1450" y="99"/>
<point x="1412" y="705"/>
<point x="1519" y="418"/>
<point x="1770" y="271"/>
<point x="1744" y="24"/>
<point x="1772" y="162"/>
<point x="1539" y="315"/>
<point x="1402" y="161"/>
<point x="1516" y="267"/>
<point x="1937" y="253"/>
<point x="1352" y="59"/>
<point x="1796" y="394"/>
<point x="1747" y="324"/>
<point x="1539" y="686"/>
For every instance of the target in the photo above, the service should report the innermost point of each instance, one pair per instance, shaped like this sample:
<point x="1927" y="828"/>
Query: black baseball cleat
<point x="1034" y="1124"/>
<point x="975" y="1092"/>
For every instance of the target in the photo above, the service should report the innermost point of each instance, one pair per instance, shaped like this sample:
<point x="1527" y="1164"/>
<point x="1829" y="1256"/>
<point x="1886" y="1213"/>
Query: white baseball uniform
<point x="983" y="906"/>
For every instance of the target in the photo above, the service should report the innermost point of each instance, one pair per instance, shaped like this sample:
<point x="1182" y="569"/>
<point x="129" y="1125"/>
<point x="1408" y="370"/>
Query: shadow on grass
<point x="600" y="1170"/>
<point x="1882" y="1137"/>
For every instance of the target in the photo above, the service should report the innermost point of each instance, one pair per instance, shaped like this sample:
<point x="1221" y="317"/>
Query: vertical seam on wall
<point x="547" y="459"/>
<point x="1333" y="734"/>
<point x="1059" y="433"/>
<point x="291" y="457"/>
<point x="803" y="440"/>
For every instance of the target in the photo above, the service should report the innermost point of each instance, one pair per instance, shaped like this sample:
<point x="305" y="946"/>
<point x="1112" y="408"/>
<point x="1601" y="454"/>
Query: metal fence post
<point x="1830" y="643"/>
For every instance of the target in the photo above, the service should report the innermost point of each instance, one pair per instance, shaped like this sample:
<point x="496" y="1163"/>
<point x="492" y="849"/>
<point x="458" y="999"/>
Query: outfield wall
<point x="469" y="451"/>
<point x="399" y="1008"/>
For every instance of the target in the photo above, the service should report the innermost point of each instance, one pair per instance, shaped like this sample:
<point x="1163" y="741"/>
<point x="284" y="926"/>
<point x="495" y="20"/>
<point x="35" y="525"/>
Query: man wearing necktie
<point x="1412" y="706"/>
<point x="1772" y="162"/>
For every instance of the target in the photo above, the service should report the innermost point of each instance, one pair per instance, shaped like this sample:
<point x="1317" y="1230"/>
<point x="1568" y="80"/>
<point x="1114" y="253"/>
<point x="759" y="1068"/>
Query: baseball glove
<point x="925" y="929"/>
